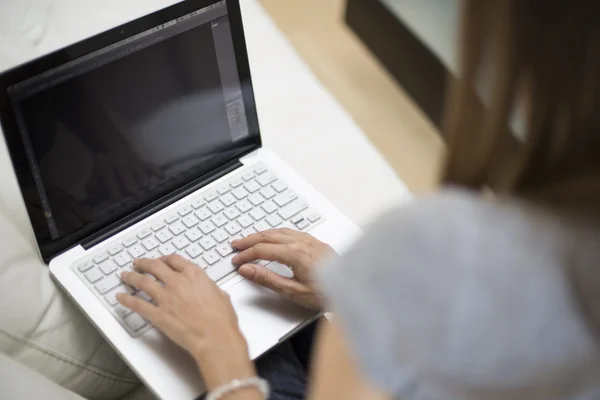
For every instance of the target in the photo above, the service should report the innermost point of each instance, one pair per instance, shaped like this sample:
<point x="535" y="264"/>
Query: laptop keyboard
<point x="201" y="231"/>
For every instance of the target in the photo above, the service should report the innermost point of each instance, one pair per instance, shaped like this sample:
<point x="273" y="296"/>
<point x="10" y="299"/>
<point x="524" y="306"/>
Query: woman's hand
<point x="299" y="251"/>
<point x="193" y="312"/>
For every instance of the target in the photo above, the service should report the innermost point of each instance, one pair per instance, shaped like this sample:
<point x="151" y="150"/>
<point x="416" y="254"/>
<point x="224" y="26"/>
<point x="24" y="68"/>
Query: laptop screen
<point x="110" y="132"/>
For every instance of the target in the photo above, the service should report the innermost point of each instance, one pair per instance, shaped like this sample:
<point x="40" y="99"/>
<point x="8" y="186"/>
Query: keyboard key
<point x="185" y="211"/>
<point x="274" y="220"/>
<point x="248" y="231"/>
<point x="216" y="207"/>
<point x="219" y="220"/>
<point x="98" y="258"/>
<point x="130" y="241"/>
<point x="206" y="227"/>
<point x="303" y="224"/>
<point x="114" y="249"/>
<point x="314" y="217"/>
<point x="193" y="234"/>
<point x="194" y="250"/>
<point x="292" y="209"/>
<point x="84" y="266"/>
<point x="233" y="228"/>
<point x="108" y="267"/>
<point x="144" y="233"/>
<point x="224" y="249"/>
<point x="262" y="226"/>
<point x="258" y="214"/>
<point x="220" y="270"/>
<point x="228" y="199"/>
<point x="296" y="219"/>
<point x="135" y="322"/>
<point x="177" y="228"/>
<point x="207" y="243"/>
<point x="265" y="179"/>
<point x="269" y="207"/>
<point x="279" y="185"/>
<point x="199" y="261"/>
<point x="244" y="206"/>
<point x="259" y="169"/>
<point x="150" y="243"/>
<point x="256" y="199"/>
<point x="121" y="310"/>
<point x="236" y="182"/>
<point x="154" y="254"/>
<point x="284" y="198"/>
<point x="171" y="218"/>
<point x="232" y="213"/>
<point x="143" y="295"/>
<point x="245" y="221"/>
<point x="198" y="203"/>
<point x="107" y="284"/>
<point x="167" y="249"/>
<point x="220" y="235"/>
<point x="158" y="225"/>
<point x="111" y="297"/>
<point x="122" y="259"/>
<point x="180" y="242"/>
<point x="224" y="189"/>
<point x="251" y="186"/>
<point x="203" y="214"/>
<point x="249" y="175"/>
<point x="240" y="193"/>
<point x="94" y="275"/>
<point x="136" y="251"/>
<point x="164" y="235"/>
<point x="267" y="192"/>
<point x="211" y="257"/>
<point x="190" y="221"/>
<point x="211" y="196"/>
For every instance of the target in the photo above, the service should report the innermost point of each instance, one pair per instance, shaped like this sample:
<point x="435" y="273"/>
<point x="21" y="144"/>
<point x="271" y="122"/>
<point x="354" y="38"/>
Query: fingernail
<point x="247" y="270"/>
<point x="124" y="274"/>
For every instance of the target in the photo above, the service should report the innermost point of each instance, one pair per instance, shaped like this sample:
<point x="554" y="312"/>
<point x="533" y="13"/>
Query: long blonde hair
<point x="547" y="54"/>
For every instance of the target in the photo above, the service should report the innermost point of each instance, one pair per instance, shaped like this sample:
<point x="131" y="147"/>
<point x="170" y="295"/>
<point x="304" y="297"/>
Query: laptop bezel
<point x="59" y="57"/>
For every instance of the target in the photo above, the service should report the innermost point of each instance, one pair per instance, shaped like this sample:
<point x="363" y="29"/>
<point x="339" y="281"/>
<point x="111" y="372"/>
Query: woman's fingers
<point x="147" y="310"/>
<point x="265" y="251"/>
<point x="178" y="263"/>
<point x="156" y="268"/>
<point x="269" y="279"/>
<point x="273" y="236"/>
<point x="143" y="283"/>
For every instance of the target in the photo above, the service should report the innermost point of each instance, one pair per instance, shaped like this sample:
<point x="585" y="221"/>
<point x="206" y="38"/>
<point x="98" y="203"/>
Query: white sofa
<point x="47" y="343"/>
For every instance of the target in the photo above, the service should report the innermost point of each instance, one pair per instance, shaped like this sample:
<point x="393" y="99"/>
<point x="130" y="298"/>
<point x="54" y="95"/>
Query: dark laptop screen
<point x="111" y="131"/>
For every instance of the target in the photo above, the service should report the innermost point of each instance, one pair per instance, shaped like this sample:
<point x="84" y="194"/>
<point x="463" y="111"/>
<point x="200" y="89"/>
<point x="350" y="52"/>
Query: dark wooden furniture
<point x="410" y="61"/>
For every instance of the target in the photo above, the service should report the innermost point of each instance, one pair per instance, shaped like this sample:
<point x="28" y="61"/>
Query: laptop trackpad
<point x="264" y="316"/>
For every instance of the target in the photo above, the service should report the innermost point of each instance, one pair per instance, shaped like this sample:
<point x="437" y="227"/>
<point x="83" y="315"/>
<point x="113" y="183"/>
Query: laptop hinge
<point x="158" y="205"/>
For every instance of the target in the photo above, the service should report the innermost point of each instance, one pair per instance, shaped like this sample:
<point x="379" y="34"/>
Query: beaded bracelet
<point x="238" y="384"/>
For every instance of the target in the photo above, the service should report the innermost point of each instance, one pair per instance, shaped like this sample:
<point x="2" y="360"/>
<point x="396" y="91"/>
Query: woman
<point x="487" y="290"/>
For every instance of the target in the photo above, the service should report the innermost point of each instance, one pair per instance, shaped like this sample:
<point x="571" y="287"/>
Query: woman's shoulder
<point x="462" y="287"/>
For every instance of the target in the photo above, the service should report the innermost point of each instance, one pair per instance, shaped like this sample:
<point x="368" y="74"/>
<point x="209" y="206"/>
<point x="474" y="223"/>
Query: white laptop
<point x="144" y="141"/>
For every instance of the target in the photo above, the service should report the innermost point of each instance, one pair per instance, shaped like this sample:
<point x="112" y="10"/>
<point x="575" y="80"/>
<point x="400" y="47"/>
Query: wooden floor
<point x="393" y="123"/>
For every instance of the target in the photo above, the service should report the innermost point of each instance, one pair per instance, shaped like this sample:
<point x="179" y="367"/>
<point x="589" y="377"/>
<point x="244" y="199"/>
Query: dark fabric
<point x="286" y="367"/>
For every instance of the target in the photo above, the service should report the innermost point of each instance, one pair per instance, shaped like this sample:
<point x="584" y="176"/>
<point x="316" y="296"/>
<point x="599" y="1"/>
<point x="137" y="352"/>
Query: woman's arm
<point x="335" y="374"/>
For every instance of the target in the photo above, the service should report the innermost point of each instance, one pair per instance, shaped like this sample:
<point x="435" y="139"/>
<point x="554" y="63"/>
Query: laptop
<point x="144" y="141"/>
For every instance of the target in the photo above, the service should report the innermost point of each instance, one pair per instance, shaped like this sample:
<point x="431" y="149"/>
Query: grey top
<point x="457" y="297"/>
